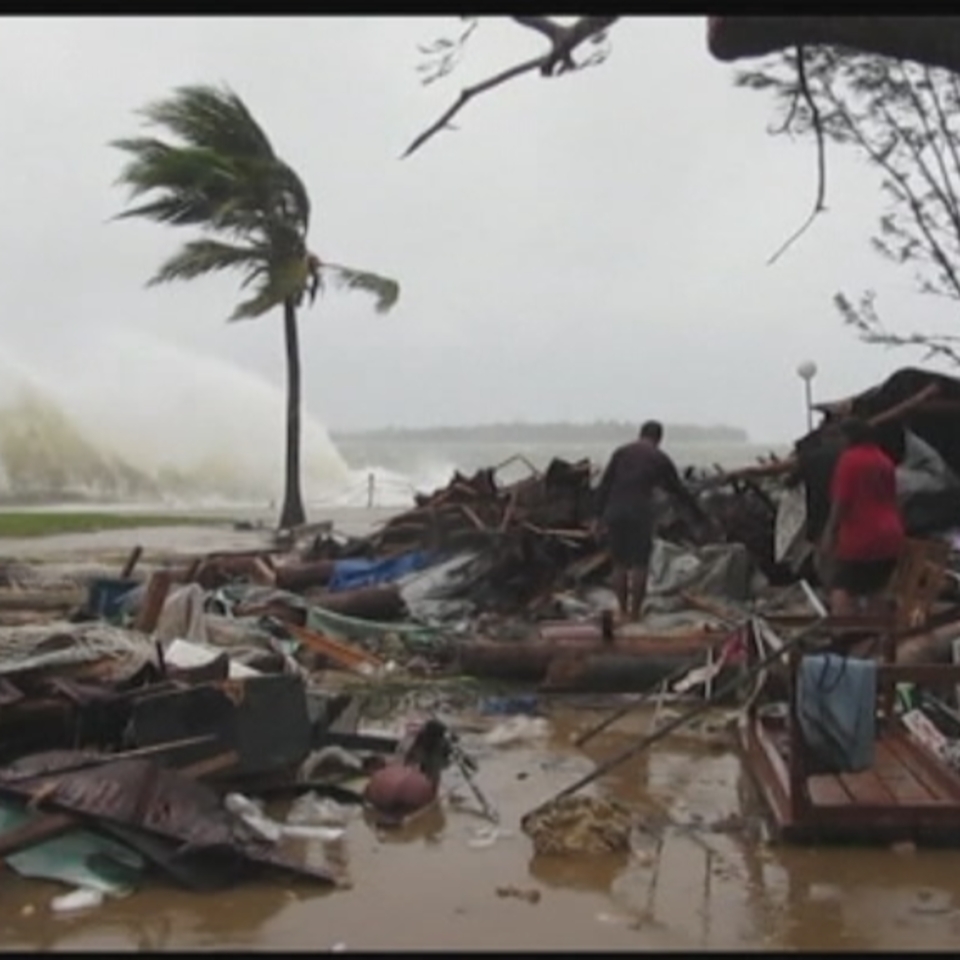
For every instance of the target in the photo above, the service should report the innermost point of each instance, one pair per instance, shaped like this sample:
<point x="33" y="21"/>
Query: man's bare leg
<point x="621" y="587"/>
<point x="638" y="592"/>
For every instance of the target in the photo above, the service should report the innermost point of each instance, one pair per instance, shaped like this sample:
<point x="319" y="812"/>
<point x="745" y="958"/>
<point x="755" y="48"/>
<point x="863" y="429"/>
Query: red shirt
<point x="864" y="487"/>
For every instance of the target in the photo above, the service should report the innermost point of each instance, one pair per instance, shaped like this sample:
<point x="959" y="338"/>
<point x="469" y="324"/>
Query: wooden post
<point x="799" y="802"/>
<point x="154" y="597"/>
<point x="131" y="563"/>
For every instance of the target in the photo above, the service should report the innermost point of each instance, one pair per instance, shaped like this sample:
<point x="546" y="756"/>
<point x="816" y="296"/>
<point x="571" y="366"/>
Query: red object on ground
<point x="399" y="790"/>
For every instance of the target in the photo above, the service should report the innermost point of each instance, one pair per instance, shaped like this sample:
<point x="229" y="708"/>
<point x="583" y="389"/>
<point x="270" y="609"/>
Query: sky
<point x="587" y="247"/>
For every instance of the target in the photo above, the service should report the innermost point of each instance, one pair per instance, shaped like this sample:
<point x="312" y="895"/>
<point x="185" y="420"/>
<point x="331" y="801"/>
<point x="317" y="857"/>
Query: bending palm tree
<point x="225" y="179"/>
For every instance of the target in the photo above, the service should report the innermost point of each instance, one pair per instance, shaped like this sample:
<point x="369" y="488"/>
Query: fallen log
<point x="297" y="577"/>
<point x="531" y="661"/>
<point x="382" y="603"/>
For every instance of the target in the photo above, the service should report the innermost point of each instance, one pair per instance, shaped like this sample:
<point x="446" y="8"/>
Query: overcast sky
<point x="592" y="246"/>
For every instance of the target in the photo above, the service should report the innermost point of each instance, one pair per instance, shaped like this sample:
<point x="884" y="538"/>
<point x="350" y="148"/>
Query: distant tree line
<point x="600" y="431"/>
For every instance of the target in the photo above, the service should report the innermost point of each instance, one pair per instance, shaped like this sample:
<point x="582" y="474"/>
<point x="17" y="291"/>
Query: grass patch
<point x="28" y="523"/>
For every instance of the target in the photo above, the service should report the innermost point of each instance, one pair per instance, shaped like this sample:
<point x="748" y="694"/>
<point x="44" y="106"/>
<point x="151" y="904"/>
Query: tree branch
<point x="948" y="134"/>
<point x="558" y="59"/>
<point x="948" y="202"/>
<point x="820" y="203"/>
<point x="944" y="191"/>
<point x="916" y="207"/>
<point x="542" y="25"/>
<point x="467" y="94"/>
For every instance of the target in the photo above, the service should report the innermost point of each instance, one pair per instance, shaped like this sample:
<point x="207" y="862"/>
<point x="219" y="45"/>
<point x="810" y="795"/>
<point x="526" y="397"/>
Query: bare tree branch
<point x="922" y="215"/>
<point x="944" y="129"/>
<point x="871" y="329"/>
<point x="882" y="159"/>
<point x="558" y="59"/>
<point x="467" y="94"/>
<point x="943" y="190"/>
<point x="819" y="205"/>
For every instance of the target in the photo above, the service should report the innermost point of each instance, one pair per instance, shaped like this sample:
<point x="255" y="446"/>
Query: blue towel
<point x="836" y="709"/>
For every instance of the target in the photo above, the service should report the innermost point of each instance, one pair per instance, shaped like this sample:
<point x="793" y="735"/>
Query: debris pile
<point x="152" y="719"/>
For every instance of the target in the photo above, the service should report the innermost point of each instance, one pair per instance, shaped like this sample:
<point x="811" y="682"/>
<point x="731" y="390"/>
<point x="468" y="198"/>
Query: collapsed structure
<point x="141" y="713"/>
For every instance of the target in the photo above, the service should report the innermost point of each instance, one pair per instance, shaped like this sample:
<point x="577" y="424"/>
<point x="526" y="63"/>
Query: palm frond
<point x="262" y="302"/>
<point x="154" y="164"/>
<point x="207" y="256"/>
<point x="385" y="290"/>
<point x="213" y="118"/>
<point x="278" y="282"/>
<point x="221" y="174"/>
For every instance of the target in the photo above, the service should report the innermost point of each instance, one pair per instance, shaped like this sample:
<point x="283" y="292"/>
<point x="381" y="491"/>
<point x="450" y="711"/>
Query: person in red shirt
<point x="864" y="533"/>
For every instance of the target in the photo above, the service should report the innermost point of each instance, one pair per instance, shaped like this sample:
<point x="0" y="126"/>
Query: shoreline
<point x="177" y="536"/>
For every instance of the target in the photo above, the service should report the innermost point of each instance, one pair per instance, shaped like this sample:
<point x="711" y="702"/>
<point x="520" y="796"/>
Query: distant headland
<point x="610" y="431"/>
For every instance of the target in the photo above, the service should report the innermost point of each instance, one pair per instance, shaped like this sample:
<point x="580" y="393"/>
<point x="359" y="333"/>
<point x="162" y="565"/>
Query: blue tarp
<point x="351" y="574"/>
<point x="836" y="709"/>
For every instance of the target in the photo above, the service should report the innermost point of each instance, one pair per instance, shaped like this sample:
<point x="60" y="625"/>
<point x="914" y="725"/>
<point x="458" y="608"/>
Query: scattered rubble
<point x="149" y="720"/>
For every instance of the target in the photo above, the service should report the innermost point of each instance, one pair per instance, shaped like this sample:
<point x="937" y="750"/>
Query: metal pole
<point x="808" y="390"/>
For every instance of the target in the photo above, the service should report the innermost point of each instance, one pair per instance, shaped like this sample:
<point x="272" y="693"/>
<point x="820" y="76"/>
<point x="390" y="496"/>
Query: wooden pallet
<point x="907" y="794"/>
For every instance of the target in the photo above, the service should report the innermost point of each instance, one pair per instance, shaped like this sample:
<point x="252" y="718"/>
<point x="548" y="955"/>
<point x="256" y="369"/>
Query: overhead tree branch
<point x="819" y="204"/>
<point x="557" y="60"/>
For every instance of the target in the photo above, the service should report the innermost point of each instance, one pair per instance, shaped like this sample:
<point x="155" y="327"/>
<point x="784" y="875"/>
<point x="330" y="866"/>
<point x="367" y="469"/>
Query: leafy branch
<point x="903" y="118"/>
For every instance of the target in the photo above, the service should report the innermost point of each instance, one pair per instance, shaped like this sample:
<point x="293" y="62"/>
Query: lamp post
<point x="807" y="371"/>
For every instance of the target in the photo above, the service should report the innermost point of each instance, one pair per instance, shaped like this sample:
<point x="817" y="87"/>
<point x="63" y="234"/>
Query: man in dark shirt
<point x="625" y="511"/>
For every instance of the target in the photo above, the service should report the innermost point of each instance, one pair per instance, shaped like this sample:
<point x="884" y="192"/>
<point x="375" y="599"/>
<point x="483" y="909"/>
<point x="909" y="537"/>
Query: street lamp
<point x="807" y="371"/>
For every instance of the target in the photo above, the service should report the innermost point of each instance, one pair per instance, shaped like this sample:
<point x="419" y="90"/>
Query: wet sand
<point x="428" y="888"/>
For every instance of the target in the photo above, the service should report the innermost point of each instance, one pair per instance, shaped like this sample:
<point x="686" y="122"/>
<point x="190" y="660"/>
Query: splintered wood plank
<point x="772" y="790"/>
<point x="40" y="829"/>
<point x="906" y="754"/>
<point x="777" y="761"/>
<point x="867" y="789"/>
<point x="826" y="790"/>
<point x="899" y="780"/>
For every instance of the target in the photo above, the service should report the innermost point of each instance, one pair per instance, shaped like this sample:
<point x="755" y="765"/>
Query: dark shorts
<point x="630" y="540"/>
<point x="863" y="578"/>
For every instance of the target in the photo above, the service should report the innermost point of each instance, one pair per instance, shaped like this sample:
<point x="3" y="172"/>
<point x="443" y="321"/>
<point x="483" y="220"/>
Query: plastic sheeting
<point x="720" y="570"/>
<point x="79" y="858"/>
<point x="355" y="573"/>
<point x="183" y="616"/>
<point x="922" y="469"/>
<point x="790" y="536"/>
<point x="341" y="627"/>
<point x="428" y="593"/>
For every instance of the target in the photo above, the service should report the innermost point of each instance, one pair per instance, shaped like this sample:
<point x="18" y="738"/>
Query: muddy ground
<point x="708" y="882"/>
<point x="702" y="876"/>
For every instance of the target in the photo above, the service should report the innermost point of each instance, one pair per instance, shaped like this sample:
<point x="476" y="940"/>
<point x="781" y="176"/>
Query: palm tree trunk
<point x="292" y="514"/>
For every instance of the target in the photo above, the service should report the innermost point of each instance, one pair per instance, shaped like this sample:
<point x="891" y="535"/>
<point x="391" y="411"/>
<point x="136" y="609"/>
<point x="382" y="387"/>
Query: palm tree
<point x="225" y="180"/>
